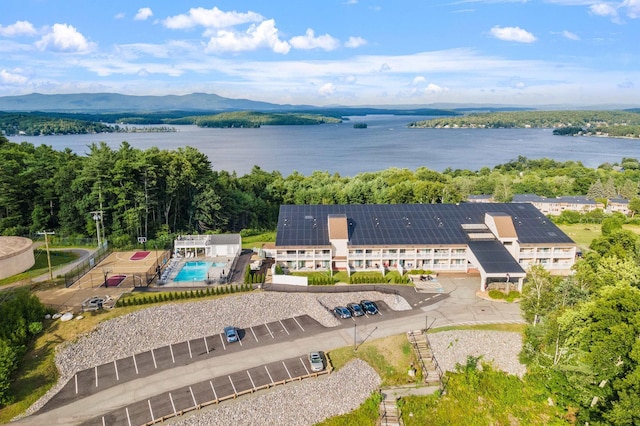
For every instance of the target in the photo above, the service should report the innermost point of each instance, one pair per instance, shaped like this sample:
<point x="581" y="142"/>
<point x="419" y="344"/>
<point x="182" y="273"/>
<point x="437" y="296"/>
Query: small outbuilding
<point x="16" y="255"/>
<point x="214" y="245"/>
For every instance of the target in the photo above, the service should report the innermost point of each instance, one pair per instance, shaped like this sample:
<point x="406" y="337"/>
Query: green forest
<point x="155" y="193"/>
<point x="589" y="123"/>
<point x="38" y="123"/>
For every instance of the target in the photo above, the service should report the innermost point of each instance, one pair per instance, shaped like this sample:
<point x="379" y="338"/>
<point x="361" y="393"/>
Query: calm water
<point x="193" y="271"/>
<point x="339" y="148"/>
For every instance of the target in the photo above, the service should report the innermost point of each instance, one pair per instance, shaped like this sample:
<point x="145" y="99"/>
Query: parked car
<point x="316" y="362"/>
<point x="356" y="309"/>
<point x="369" y="307"/>
<point x="231" y="334"/>
<point x="341" y="312"/>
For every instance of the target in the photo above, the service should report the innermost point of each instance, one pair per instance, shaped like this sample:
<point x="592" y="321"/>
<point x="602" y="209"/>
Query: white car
<point x="316" y="362"/>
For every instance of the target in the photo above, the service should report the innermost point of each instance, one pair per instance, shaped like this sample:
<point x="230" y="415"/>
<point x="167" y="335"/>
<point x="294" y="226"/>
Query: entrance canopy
<point x="494" y="261"/>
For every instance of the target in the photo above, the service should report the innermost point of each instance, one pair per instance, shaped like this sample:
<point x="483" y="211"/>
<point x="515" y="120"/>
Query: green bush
<point x="496" y="294"/>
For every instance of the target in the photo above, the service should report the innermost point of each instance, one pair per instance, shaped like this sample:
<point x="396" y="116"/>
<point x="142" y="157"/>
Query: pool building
<point x="500" y="241"/>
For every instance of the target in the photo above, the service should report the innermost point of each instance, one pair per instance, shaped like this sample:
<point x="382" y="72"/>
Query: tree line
<point x="581" y="346"/>
<point x="156" y="193"/>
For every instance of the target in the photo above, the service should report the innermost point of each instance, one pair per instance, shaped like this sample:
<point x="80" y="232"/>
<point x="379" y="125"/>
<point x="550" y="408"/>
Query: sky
<point x="329" y="52"/>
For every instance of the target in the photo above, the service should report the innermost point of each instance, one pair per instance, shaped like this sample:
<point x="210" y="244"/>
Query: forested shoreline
<point x="156" y="192"/>
<point x="584" y="123"/>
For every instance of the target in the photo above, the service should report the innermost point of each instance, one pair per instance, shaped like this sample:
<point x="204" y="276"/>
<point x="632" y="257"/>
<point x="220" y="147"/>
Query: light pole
<point x="46" y="244"/>
<point x="97" y="216"/>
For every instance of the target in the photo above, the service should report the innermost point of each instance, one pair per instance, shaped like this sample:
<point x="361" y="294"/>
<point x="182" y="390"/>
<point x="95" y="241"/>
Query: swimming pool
<point x="193" y="271"/>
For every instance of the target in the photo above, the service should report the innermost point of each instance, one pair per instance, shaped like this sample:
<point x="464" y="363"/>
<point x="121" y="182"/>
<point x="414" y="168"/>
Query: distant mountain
<point x="113" y="102"/>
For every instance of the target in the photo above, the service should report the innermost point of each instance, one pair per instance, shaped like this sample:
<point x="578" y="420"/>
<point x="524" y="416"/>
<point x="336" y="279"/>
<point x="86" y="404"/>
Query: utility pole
<point x="97" y="216"/>
<point x="355" y="347"/>
<point x="46" y="244"/>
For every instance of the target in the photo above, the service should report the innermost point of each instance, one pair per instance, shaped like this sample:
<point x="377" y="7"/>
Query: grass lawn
<point x="584" y="233"/>
<point x="58" y="258"/>
<point x="258" y="240"/>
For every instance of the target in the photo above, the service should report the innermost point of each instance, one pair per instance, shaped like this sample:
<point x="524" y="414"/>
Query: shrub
<point x="496" y="294"/>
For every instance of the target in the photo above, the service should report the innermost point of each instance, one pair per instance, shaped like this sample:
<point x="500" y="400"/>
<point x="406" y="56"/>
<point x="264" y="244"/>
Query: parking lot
<point x="94" y="380"/>
<point x="210" y="391"/>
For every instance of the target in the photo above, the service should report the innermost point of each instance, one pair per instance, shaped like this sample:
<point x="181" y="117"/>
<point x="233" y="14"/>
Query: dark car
<point x="341" y="312"/>
<point x="356" y="309"/>
<point x="231" y="334"/>
<point x="369" y="307"/>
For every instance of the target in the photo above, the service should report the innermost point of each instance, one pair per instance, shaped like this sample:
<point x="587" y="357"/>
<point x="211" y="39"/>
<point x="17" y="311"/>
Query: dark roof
<point x="408" y="224"/>
<point x="494" y="258"/>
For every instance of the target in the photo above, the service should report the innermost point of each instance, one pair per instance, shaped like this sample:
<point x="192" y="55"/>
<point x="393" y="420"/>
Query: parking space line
<point x="286" y="369"/>
<point x="189" y="344"/>
<point x="215" y="395"/>
<point x="96" y="368"/>
<point x="239" y="340"/>
<point x="150" y="410"/>
<point x="172" y="404"/>
<point x="254" y="334"/>
<point x="206" y="345"/>
<point x="135" y="364"/>
<point x="76" y="377"/>
<point x="154" y="359"/>
<point x="285" y="328"/>
<point x="172" y="357"/>
<point x="104" y="423"/>
<point x="304" y="365"/>
<point x="294" y="318"/>
<point x="269" y="330"/>
<point x="252" y="384"/>
<point x="195" y="404"/>
<point x="115" y="365"/>
<point x="222" y="340"/>
<point x="268" y="374"/>
<point x="128" y="418"/>
<point x="232" y="385"/>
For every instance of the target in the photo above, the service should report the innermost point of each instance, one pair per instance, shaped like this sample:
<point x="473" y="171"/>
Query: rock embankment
<point x="497" y="347"/>
<point x="299" y="404"/>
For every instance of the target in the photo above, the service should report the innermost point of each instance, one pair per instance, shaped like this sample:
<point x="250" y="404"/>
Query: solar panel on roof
<point x="389" y="224"/>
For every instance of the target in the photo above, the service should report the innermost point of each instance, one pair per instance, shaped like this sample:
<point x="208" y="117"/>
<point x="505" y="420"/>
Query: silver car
<point x="316" y="362"/>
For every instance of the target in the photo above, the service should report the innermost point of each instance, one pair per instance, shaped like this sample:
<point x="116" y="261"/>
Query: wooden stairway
<point x="389" y="413"/>
<point x="431" y="373"/>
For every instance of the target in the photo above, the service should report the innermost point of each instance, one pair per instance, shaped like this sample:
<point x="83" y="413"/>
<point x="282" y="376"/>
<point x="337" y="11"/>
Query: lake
<point x="339" y="148"/>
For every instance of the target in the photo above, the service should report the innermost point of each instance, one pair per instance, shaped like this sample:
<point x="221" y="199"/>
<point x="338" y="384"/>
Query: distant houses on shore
<point x="555" y="206"/>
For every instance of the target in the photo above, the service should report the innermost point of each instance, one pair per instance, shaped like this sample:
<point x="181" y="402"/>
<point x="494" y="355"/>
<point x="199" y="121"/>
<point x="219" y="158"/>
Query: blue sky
<point x="329" y="52"/>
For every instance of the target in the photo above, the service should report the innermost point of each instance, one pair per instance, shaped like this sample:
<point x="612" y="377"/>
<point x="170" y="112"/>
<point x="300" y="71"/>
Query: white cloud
<point x="143" y="14"/>
<point x="12" y="78"/>
<point x="384" y="67"/>
<point x="632" y="8"/>
<point x="119" y="15"/>
<point x="516" y="34"/>
<point x="310" y="41"/>
<point x="18" y="29"/>
<point x="354" y="42"/>
<point x="435" y="89"/>
<point x="603" y="9"/>
<point x="263" y="35"/>
<point x="419" y="80"/>
<point x="327" y="89"/>
<point x="64" y="38"/>
<point x="210" y="18"/>
<point x="569" y="35"/>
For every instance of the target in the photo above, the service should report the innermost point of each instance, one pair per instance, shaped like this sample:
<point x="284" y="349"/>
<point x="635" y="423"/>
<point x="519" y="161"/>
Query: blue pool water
<point x="193" y="271"/>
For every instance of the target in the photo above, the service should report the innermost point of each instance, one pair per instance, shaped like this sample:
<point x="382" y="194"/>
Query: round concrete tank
<point x="16" y="255"/>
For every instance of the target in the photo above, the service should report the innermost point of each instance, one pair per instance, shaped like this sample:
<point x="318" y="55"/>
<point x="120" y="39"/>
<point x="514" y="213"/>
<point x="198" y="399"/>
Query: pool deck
<point x="216" y="274"/>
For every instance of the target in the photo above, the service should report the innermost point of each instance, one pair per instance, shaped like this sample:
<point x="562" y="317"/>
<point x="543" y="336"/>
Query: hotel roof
<point x="410" y="224"/>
